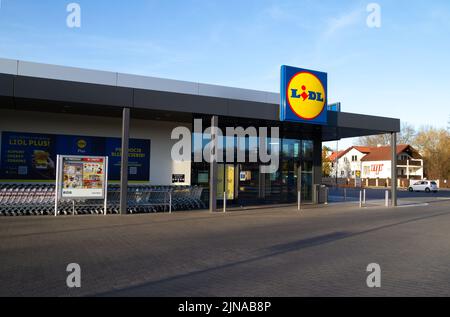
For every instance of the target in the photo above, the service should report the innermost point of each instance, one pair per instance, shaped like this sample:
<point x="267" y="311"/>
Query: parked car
<point x="424" y="186"/>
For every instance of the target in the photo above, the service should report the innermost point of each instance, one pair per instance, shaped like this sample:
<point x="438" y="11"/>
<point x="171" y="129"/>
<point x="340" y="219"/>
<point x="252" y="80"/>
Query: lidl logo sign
<point x="81" y="143"/>
<point x="306" y="95"/>
<point x="303" y="95"/>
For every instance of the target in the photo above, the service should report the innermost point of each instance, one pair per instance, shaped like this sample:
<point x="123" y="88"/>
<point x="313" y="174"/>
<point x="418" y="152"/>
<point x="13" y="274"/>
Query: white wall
<point x="385" y="171"/>
<point x="376" y="169"/>
<point x="346" y="165"/>
<point x="159" y="132"/>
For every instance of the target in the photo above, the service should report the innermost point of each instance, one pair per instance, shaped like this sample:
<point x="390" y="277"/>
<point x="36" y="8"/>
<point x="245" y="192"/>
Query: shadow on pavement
<point x="270" y="252"/>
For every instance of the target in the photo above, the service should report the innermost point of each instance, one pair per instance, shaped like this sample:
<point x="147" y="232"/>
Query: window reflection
<point x="252" y="186"/>
<point x="307" y="149"/>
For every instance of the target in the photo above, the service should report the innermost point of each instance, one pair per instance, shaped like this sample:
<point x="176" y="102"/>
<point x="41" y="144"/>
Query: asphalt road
<point x="270" y="252"/>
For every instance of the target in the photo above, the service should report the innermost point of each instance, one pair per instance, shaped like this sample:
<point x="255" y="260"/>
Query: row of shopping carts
<point x="34" y="199"/>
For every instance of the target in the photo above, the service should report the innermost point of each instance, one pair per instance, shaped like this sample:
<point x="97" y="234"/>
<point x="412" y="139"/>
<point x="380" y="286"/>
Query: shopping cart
<point x="39" y="199"/>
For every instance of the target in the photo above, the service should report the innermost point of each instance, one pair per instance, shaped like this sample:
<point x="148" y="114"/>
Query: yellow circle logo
<point x="306" y="95"/>
<point x="82" y="144"/>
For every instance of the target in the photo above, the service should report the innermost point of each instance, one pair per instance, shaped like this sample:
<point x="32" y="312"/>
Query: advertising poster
<point x="228" y="172"/>
<point x="138" y="159"/>
<point x="27" y="156"/>
<point x="83" y="177"/>
<point x="245" y="176"/>
<point x="32" y="156"/>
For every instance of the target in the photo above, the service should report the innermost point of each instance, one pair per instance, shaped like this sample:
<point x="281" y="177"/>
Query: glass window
<point x="307" y="166"/>
<point x="203" y="177"/>
<point x="307" y="149"/>
<point x="291" y="149"/>
<point x="250" y="185"/>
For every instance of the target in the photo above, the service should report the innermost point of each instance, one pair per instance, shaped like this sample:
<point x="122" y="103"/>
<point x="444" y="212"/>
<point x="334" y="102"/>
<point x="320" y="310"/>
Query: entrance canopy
<point x="50" y="88"/>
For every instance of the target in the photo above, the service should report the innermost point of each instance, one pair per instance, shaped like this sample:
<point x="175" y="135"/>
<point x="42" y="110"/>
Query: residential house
<point x="375" y="162"/>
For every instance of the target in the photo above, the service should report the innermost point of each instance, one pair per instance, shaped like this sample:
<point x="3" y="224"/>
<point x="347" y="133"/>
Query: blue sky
<point x="399" y="70"/>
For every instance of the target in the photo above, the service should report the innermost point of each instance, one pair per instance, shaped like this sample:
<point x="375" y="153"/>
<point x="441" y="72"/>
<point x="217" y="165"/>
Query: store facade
<point x="244" y="183"/>
<point x="99" y="112"/>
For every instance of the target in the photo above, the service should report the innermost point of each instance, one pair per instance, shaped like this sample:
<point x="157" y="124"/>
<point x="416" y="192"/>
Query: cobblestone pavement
<point x="268" y="252"/>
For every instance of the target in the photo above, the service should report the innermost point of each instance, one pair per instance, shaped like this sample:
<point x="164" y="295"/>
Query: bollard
<point x="170" y="202"/>
<point x="225" y="202"/>
<point x="364" y="197"/>
<point x="326" y="195"/>
<point x="360" y="199"/>
<point x="299" y="200"/>
<point x="345" y="194"/>
<point x="387" y="198"/>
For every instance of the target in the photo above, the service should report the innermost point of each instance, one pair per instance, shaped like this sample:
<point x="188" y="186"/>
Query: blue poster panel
<point x="138" y="158"/>
<point x="32" y="156"/>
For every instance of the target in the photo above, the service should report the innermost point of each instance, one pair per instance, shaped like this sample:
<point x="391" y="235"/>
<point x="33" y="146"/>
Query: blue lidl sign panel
<point x="32" y="156"/>
<point x="303" y="95"/>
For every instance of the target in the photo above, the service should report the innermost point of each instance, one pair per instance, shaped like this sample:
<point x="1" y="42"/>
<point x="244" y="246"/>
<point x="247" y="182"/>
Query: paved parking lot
<point x="269" y="252"/>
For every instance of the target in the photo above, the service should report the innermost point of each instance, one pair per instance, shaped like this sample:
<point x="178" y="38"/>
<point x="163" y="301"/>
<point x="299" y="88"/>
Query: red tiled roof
<point x="362" y="149"/>
<point x="383" y="153"/>
<point x="374" y="153"/>
<point x="335" y="155"/>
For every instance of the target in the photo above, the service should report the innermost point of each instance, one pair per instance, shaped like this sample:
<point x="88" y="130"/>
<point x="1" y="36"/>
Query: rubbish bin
<point x="319" y="194"/>
<point x="323" y="196"/>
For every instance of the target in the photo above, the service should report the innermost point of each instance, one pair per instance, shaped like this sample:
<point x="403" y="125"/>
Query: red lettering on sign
<point x="376" y="168"/>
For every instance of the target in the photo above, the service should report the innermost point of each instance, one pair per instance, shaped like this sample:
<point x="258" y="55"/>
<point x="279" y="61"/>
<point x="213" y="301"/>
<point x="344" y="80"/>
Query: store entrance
<point x="245" y="184"/>
<point x="239" y="178"/>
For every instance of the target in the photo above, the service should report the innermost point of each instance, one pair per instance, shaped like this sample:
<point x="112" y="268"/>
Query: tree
<point x="374" y="140"/>
<point x="347" y="168"/>
<point x="434" y="145"/>
<point x="406" y="136"/>
<point x="326" y="163"/>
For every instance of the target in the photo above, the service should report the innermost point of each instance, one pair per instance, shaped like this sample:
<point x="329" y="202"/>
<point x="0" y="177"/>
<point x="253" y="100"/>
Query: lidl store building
<point x="51" y="110"/>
